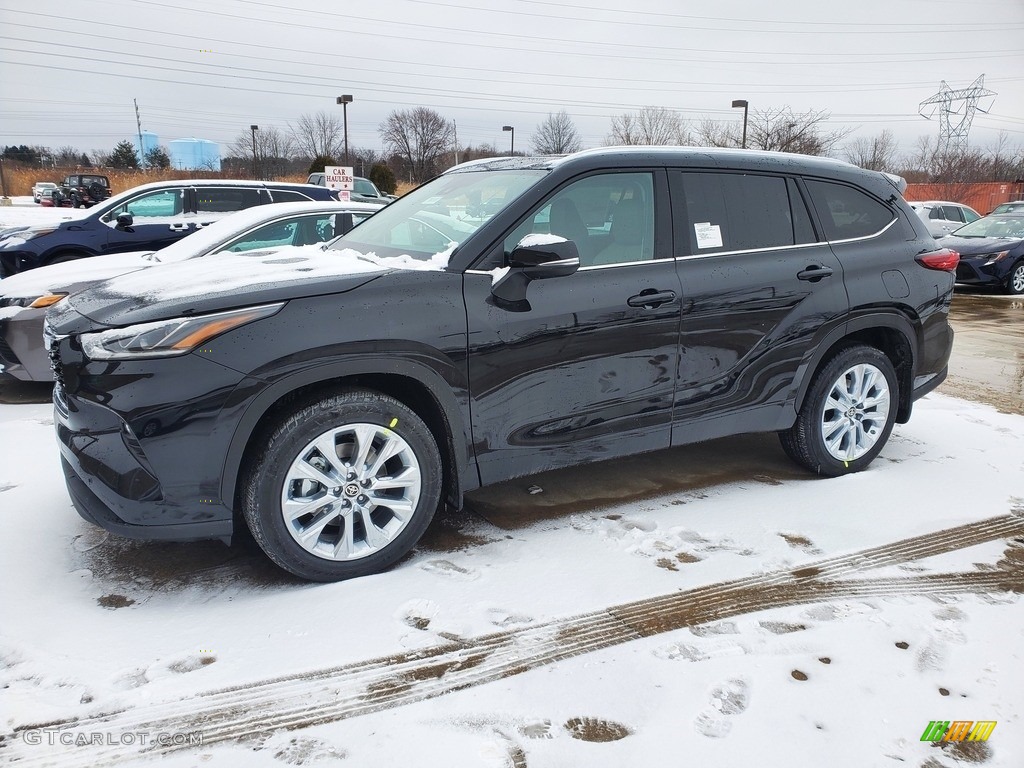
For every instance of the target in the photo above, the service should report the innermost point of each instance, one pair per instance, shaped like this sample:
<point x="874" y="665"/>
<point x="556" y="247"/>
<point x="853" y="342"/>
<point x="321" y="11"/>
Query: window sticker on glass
<point x="708" y="235"/>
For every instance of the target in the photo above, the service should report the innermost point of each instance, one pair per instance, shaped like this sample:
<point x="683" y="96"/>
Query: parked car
<point x="81" y="190"/>
<point x="991" y="252"/>
<point x="618" y="301"/>
<point x="149" y="217"/>
<point x="42" y="189"/>
<point x="363" y="190"/>
<point x="943" y="217"/>
<point x="24" y="297"/>
<point x="1016" y="206"/>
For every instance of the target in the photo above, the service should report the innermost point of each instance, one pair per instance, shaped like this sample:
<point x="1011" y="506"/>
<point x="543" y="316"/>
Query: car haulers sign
<point x="340" y="178"/>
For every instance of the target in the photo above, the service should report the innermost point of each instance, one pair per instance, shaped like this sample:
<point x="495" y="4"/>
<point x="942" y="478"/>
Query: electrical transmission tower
<point x="956" y="108"/>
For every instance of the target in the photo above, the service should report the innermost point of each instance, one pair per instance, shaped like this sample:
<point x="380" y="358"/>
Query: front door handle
<point x="651" y="298"/>
<point x="179" y="227"/>
<point x="814" y="273"/>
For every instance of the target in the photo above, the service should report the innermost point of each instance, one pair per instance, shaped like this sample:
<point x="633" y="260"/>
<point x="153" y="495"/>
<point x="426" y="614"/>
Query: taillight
<point x="943" y="259"/>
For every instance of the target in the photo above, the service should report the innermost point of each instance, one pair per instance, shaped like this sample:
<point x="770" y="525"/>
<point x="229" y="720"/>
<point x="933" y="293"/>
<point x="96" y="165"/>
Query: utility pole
<point x="138" y="122"/>
<point x="455" y="132"/>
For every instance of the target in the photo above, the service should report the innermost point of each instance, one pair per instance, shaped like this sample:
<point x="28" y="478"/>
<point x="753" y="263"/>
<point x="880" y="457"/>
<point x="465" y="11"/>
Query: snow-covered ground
<point x="741" y="613"/>
<point x="736" y="622"/>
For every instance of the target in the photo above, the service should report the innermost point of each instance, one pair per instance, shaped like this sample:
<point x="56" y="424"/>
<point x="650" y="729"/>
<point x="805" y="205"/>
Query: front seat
<point x="630" y="223"/>
<point x="566" y="222"/>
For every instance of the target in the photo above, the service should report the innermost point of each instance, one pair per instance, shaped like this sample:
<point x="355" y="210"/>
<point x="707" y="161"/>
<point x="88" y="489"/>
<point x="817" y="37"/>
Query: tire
<point x="315" y="514"/>
<point x="65" y="256"/>
<point x="1015" y="280"/>
<point x="861" y="379"/>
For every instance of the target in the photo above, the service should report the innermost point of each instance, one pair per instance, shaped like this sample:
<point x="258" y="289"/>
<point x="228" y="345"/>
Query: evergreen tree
<point x="320" y="162"/>
<point x="124" y="156"/>
<point x="158" y="157"/>
<point x="383" y="178"/>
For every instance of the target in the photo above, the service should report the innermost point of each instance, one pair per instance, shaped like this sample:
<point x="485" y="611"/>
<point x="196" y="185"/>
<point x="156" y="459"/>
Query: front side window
<point x="287" y="196"/>
<point x="847" y="213"/>
<point x="157" y="204"/>
<point x="741" y="212"/>
<point x="226" y="199"/>
<point x="610" y="218"/>
<point x="429" y="222"/>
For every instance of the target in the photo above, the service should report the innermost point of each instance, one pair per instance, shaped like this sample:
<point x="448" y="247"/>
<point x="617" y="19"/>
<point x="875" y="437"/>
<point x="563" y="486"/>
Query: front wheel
<point x="847" y="415"/>
<point x="344" y="486"/>
<point x="1015" y="282"/>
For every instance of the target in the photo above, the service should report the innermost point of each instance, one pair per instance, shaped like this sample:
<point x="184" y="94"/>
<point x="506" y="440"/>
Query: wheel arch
<point x="892" y="333"/>
<point x="418" y="387"/>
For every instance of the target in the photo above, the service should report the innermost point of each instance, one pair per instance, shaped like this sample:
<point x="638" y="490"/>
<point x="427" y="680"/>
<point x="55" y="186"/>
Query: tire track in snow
<point x="302" y="700"/>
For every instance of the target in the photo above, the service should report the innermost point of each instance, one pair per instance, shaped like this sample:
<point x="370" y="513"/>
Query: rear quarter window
<point x="846" y="212"/>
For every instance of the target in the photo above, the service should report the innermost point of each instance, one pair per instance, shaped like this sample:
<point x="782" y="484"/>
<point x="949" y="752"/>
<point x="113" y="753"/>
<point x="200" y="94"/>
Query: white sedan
<point x="24" y="297"/>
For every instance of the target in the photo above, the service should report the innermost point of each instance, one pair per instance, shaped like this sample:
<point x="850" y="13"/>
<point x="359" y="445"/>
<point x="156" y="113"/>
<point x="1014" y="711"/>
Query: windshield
<point x="993" y="226"/>
<point x="365" y="187"/>
<point x="431" y="221"/>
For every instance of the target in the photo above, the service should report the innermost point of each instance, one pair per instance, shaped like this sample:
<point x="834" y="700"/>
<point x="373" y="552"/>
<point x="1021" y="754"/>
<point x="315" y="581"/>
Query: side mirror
<point x="125" y="220"/>
<point x="542" y="256"/>
<point x="537" y="257"/>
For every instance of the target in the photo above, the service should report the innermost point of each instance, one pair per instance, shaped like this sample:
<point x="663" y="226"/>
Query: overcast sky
<point x="70" y="68"/>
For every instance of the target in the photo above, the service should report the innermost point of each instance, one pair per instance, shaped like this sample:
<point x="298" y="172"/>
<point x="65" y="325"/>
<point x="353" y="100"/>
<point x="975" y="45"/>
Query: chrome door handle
<point x="814" y="273"/>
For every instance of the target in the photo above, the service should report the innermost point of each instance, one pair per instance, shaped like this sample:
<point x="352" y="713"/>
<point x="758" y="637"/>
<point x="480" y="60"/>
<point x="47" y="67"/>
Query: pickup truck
<point x="363" y="190"/>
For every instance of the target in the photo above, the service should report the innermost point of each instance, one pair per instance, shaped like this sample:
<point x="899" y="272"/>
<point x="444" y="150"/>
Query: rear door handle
<point x="814" y="273"/>
<point x="651" y="298"/>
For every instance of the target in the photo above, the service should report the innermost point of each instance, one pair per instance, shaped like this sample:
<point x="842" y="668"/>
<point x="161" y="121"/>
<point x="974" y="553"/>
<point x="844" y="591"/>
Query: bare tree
<point x="648" y="126"/>
<point x="717" y="133"/>
<point x="877" y="153"/>
<point x="420" y="137"/>
<point x="556" y="136"/>
<point x="274" y="150"/>
<point x="320" y="133"/>
<point x="67" y="155"/>
<point x="783" y="130"/>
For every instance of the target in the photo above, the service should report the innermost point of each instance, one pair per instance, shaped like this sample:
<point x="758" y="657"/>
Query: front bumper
<point x="141" y="462"/>
<point x="976" y="271"/>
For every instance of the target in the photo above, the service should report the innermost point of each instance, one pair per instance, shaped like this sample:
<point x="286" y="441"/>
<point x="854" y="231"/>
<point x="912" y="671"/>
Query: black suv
<point x="81" y="190"/>
<point x="145" y="218"/>
<point x="511" y="316"/>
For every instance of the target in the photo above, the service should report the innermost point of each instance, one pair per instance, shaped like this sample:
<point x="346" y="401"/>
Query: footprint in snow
<point x="450" y="570"/>
<point x="726" y="700"/>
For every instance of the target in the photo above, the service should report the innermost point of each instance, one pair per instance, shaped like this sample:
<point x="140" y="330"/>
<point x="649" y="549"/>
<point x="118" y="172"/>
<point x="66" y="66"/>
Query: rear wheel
<point x="65" y="256"/>
<point x="344" y="486"/>
<point x="1015" y="282"/>
<point x="847" y="415"/>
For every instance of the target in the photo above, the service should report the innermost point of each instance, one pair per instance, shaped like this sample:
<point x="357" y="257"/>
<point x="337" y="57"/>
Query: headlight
<point x="32" y="234"/>
<point x="994" y="257"/>
<point x="36" y="302"/>
<point x="168" y="338"/>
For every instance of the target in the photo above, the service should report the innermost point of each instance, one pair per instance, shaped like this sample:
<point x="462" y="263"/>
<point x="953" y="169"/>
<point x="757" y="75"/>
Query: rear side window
<point x="741" y="212"/>
<point x="287" y="196"/>
<point x="847" y="213"/>
<point x="226" y="199"/>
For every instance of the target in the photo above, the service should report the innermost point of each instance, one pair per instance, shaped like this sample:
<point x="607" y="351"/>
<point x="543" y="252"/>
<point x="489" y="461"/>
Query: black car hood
<point x="200" y="286"/>
<point x="973" y="246"/>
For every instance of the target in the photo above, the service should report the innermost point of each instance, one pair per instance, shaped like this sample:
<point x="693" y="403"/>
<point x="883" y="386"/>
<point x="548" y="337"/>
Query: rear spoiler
<point x="897" y="181"/>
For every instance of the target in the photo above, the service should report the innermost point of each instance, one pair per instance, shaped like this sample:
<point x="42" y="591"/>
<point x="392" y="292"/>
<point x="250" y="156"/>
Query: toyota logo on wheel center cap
<point x="352" y="489"/>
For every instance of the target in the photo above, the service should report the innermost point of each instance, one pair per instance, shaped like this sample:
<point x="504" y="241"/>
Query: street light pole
<point x="742" y="103"/>
<point x="254" y="128"/>
<point x="345" y="100"/>
<point x="512" y="142"/>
